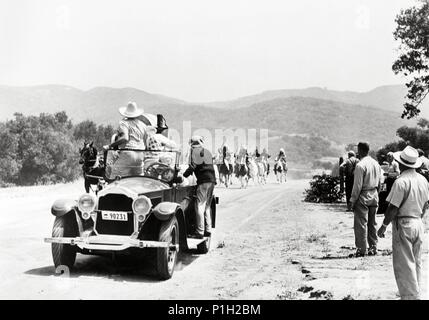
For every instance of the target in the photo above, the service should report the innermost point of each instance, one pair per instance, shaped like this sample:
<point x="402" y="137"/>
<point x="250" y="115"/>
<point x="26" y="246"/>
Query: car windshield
<point x="130" y="163"/>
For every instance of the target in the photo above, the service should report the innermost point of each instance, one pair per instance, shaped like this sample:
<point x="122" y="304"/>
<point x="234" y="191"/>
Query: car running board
<point x="193" y="242"/>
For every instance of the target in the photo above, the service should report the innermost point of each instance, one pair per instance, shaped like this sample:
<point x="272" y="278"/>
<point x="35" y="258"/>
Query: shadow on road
<point x="116" y="268"/>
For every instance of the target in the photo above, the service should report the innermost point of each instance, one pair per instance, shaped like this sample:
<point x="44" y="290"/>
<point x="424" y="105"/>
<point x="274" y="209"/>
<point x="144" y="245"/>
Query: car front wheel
<point x="64" y="254"/>
<point x="167" y="257"/>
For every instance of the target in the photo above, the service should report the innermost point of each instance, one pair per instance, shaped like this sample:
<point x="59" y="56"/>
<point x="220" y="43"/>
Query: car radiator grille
<point x="116" y="203"/>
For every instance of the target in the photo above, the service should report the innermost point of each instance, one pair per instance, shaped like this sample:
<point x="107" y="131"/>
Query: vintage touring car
<point x="146" y="207"/>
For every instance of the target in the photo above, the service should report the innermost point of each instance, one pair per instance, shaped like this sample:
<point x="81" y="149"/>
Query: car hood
<point x="134" y="186"/>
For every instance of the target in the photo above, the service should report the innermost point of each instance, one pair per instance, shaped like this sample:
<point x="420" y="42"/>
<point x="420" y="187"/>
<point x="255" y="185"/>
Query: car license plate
<point x="115" y="216"/>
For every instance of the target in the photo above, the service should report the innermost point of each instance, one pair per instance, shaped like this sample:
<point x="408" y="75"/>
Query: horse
<point x="253" y="170"/>
<point x="241" y="171"/>
<point x="93" y="171"/>
<point x="262" y="171"/>
<point x="280" y="170"/>
<point x="226" y="168"/>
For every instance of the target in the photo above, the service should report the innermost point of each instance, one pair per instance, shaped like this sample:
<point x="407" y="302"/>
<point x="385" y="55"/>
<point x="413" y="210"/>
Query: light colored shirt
<point x="367" y="179"/>
<point x="349" y="166"/>
<point x="136" y="131"/>
<point x="409" y="193"/>
<point x="425" y="162"/>
<point x="159" y="142"/>
<point x="393" y="169"/>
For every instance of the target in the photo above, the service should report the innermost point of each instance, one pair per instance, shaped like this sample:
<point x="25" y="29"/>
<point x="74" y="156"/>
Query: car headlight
<point x="142" y="206"/>
<point x="86" y="203"/>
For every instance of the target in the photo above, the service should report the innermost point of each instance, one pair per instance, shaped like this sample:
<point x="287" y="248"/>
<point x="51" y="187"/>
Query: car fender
<point x="165" y="210"/>
<point x="63" y="206"/>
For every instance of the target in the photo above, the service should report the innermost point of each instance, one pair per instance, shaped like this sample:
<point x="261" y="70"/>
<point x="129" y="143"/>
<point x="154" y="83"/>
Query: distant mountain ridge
<point x="389" y="97"/>
<point x="339" y="117"/>
<point x="96" y="104"/>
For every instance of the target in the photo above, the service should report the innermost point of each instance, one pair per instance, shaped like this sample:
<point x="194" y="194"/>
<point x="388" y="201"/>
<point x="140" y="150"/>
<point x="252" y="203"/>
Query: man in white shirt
<point x="364" y="201"/>
<point x="408" y="202"/>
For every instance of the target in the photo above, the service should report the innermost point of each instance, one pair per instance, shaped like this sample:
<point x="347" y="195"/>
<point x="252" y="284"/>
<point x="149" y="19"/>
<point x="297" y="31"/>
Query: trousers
<point x="407" y="239"/>
<point x="202" y="207"/>
<point x="365" y="226"/>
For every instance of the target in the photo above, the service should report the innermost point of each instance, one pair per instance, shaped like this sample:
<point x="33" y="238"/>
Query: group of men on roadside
<point x="408" y="196"/>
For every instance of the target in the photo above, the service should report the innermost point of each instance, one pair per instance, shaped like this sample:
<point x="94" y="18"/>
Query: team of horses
<point x="244" y="167"/>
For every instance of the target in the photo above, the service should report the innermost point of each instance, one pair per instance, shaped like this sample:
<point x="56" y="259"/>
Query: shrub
<point x="324" y="189"/>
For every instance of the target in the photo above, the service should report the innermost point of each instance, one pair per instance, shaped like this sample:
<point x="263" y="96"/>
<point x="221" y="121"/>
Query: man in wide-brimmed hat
<point x="408" y="201"/>
<point x="201" y="164"/>
<point x="364" y="201"/>
<point x="132" y="131"/>
<point x="131" y="135"/>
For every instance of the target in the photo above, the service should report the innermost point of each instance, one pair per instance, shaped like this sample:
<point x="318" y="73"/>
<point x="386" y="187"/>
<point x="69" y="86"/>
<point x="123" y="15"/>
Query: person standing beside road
<point x="348" y="167"/>
<point x="201" y="164"/>
<point x="424" y="160"/>
<point x="408" y="202"/>
<point x="341" y="174"/>
<point x="392" y="172"/>
<point x="364" y="201"/>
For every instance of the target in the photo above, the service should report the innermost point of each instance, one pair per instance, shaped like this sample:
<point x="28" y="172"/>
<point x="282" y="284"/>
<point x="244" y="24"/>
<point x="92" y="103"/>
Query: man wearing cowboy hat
<point x="132" y="133"/>
<point x="132" y="130"/>
<point x="408" y="201"/>
<point x="364" y="201"/>
<point x="201" y="164"/>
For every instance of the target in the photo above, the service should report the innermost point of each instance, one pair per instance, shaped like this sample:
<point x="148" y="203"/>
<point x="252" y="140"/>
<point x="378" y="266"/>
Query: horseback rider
<point x="264" y="159"/>
<point x="281" y="157"/>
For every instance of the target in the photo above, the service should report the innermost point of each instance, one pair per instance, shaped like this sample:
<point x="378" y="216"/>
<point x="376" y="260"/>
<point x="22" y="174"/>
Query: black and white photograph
<point x="228" y="151"/>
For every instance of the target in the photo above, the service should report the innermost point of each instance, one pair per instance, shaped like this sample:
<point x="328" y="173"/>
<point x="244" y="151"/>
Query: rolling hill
<point x="292" y="120"/>
<point x="99" y="104"/>
<point x="389" y="98"/>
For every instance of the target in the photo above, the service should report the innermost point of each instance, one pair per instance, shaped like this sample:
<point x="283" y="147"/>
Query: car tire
<point x="167" y="258"/>
<point x="64" y="254"/>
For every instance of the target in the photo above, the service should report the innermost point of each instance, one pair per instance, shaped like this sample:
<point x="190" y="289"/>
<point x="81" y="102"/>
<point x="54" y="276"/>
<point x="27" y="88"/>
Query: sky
<point x="200" y="50"/>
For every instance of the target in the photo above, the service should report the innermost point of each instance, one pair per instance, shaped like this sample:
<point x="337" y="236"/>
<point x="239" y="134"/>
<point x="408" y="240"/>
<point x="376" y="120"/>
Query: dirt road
<point x="268" y="245"/>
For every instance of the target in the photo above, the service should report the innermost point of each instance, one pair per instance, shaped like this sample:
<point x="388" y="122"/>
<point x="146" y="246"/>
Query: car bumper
<point x="110" y="243"/>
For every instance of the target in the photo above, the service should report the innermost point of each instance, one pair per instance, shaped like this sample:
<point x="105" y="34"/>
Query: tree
<point x="417" y="137"/>
<point x="38" y="150"/>
<point x="413" y="33"/>
<point x="86" y="130"/>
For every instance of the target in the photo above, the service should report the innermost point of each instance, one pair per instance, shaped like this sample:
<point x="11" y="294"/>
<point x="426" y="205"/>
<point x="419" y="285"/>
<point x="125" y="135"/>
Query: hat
<point x="282" y="150"/>
<point x="131" y="110"/>
<point x="196" y="141"/>
<point x="409" y="157"/>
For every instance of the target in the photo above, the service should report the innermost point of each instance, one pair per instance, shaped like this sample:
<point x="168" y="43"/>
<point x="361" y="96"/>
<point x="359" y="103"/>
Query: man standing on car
<point x="201" y="164"/>
<point x="408" y="202"/>
<point x="364" y="201"/>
